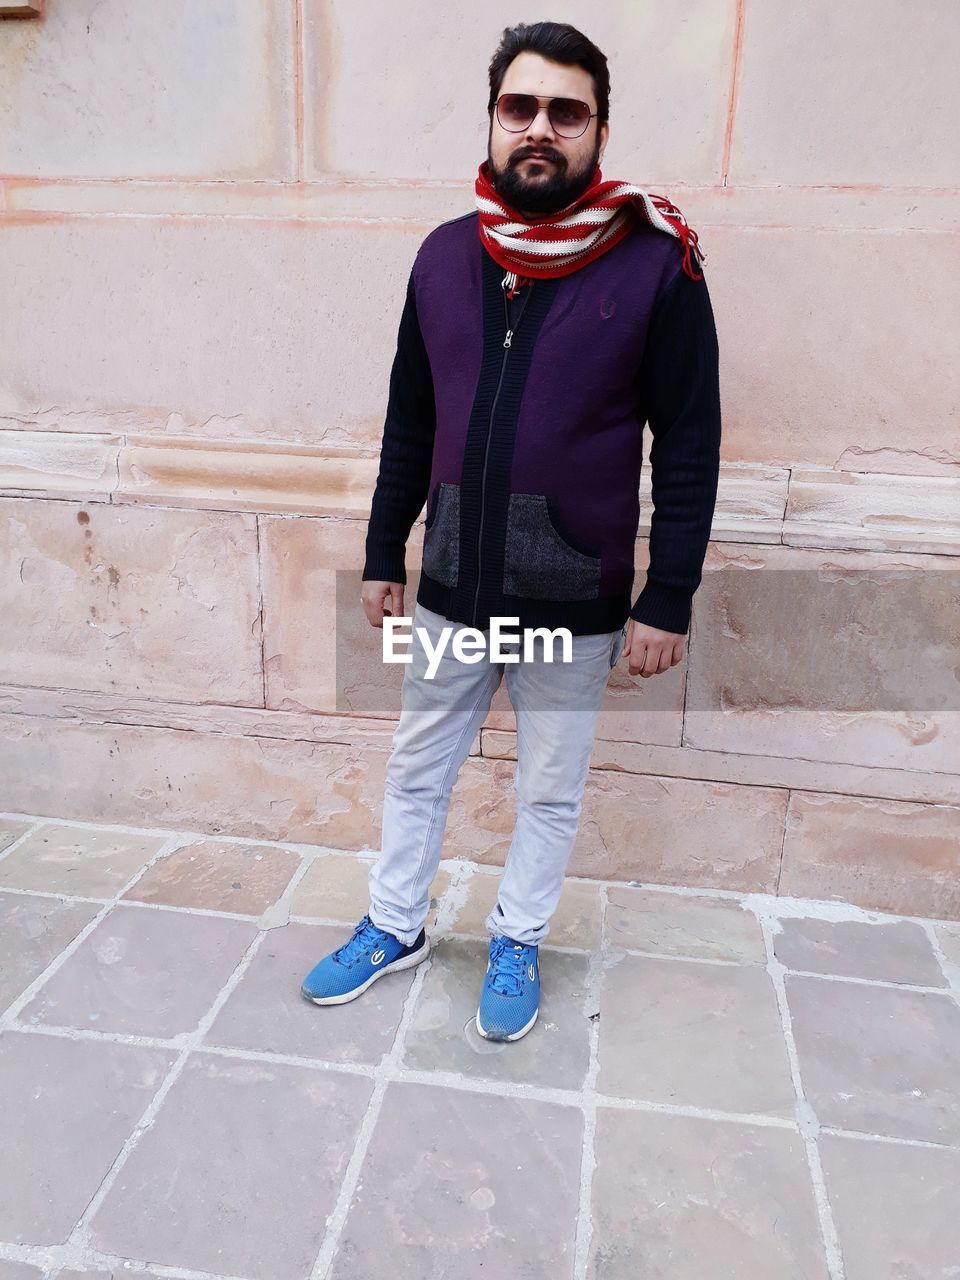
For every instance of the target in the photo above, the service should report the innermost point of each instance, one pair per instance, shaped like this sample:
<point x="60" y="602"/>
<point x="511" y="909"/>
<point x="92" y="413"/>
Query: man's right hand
<point x="378" y="598"/>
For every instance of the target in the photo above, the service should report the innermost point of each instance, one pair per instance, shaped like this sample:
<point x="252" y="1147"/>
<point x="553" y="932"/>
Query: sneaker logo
<point x="532" y="973"/>
<point x="378" y="956"/>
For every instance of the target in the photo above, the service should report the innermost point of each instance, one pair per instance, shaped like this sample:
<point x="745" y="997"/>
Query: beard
<point x="543" y="195"/>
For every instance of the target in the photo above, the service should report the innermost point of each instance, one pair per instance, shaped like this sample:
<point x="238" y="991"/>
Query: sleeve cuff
<point x="384" y="567"/>
<point x="661" y="607"/>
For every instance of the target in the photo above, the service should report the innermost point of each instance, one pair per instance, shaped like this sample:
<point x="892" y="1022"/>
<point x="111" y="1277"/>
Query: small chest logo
<point x="607" y="308"/>
<point x="377" y="957"/>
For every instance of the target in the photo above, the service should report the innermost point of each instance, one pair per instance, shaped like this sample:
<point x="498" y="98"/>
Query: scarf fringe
<point x="686" y="234"/>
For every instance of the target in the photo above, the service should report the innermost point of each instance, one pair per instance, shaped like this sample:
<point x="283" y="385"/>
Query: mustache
<point x="529" y="153"/>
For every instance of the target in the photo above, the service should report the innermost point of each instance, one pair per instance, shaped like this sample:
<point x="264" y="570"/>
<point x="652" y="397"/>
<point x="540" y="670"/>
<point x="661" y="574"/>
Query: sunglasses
<point x="568" y="116"/>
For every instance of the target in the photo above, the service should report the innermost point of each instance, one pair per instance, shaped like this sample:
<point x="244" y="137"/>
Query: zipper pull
<point x="509" y="338"/>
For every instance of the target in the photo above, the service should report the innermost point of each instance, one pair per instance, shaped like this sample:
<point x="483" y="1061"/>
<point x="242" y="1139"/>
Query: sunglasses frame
<point x="550" y="102"/>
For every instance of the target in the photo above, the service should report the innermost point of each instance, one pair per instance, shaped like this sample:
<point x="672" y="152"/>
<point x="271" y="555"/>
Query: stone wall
<point x="207" y="216"/>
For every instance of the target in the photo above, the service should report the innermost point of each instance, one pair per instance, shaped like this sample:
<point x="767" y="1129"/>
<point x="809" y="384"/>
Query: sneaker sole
<point x="408" y="962"/>
<point x="516" y="1034"/>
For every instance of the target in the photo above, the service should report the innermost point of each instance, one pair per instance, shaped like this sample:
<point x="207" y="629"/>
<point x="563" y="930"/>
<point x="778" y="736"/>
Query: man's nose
<point x="540" y="126"/>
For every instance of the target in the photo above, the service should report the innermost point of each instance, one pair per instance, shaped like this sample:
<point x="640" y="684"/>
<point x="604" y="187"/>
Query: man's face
<point x="538" y="187"/>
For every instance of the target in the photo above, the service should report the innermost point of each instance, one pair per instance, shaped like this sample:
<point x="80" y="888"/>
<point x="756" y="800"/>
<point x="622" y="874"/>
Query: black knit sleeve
<point x="406" y="451"/>
<point x="679" y="391"/>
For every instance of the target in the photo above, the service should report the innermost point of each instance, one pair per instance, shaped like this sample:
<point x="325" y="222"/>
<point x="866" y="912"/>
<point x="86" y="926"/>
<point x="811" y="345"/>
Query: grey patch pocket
<point x="538" y="560"/>
<point x="441" y="537"/>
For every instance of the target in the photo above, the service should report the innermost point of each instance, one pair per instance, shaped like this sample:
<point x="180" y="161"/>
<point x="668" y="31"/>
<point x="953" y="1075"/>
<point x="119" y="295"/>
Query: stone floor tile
<point x="683" y="925"/>
<point x="575" y="923"/>
<point x="443" y="1034"/>
<point x="11" y="829"/>
<point x="467" y="1185"/>
<point x="266" y="1011"/>
<point x="336" y="888"/>
<point x="246" y="1160"/>
<point x="20" y="1271"/>
<point x="878" y="1060"/>
<point x="33" y="932"/>
<point x="143" y="972"/>
<point x="69" y="1106"/>
<point x="218" y="876"/>
<point x="895" y="1208"/>
<point x="692" y="1034"/>
<point x="679" y="1198"/>
<point x="86" y="861"/>
<point x="894" y="951"/>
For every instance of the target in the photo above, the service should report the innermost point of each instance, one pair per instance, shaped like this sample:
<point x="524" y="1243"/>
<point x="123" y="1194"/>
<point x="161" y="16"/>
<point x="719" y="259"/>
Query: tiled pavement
<point x="719" y="1087"/>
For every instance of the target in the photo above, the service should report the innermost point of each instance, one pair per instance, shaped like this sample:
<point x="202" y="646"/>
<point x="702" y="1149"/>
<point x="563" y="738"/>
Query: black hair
<point x="560" y="42"/>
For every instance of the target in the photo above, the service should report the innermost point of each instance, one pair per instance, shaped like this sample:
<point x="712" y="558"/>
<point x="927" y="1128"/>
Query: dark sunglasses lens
<point x="516" y="110"/>
<point x="568" y="116"/>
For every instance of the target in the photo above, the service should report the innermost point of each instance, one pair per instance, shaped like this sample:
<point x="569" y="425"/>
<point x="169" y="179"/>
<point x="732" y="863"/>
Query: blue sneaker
<point x="368" y="954"/>
<point x="510" y="1000"/>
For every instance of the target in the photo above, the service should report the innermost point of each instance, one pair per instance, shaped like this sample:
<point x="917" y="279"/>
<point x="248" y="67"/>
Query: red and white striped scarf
<point x="559" y="243"/>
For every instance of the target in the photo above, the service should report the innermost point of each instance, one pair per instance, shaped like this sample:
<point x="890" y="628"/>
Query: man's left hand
<point x="650" y="651"/>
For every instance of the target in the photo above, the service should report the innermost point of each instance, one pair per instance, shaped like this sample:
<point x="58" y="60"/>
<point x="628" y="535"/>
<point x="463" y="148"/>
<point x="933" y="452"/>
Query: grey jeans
<point x="556" y="707"/>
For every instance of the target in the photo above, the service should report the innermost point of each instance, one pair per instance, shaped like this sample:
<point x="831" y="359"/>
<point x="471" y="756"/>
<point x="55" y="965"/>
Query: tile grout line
<point x="190" y="835"/>
<point x="33" y="826"/>
<point x="134" y="1267"/>
<point x="173" y="908"/>
<point x="950" y="973"/>
<point x="206" y="913"/>
<point x="130" y="1266"/>
<point x="61" y="895"/>
<point x="387" y="1073"/>
<point x="883" y="983"/>
<point x="588" y="1097"/>
<point x="807" y="1119"/>
<point x="62" y="1032"/>
<point x="891" y="1140"/>
<point x="125" y="828"/>
<point x="40" y="1255"/>
<point x="278" y="913"/>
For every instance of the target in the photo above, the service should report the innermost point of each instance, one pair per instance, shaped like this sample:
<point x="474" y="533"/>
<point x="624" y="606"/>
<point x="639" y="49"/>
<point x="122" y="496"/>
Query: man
<point x="538" y="336"/>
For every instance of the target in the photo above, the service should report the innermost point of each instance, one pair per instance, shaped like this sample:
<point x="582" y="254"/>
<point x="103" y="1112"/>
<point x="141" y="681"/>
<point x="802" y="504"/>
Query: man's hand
<point x="649" y="650"/>
<point x="380" y="597"/>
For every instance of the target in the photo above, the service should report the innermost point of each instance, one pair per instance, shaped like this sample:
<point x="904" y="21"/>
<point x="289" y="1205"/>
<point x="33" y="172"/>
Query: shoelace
<point x="365" y="935"/>
<point x="508" y="968"/>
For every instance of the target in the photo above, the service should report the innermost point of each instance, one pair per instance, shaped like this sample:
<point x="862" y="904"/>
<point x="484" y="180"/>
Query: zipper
<point x="507" y="340"/>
